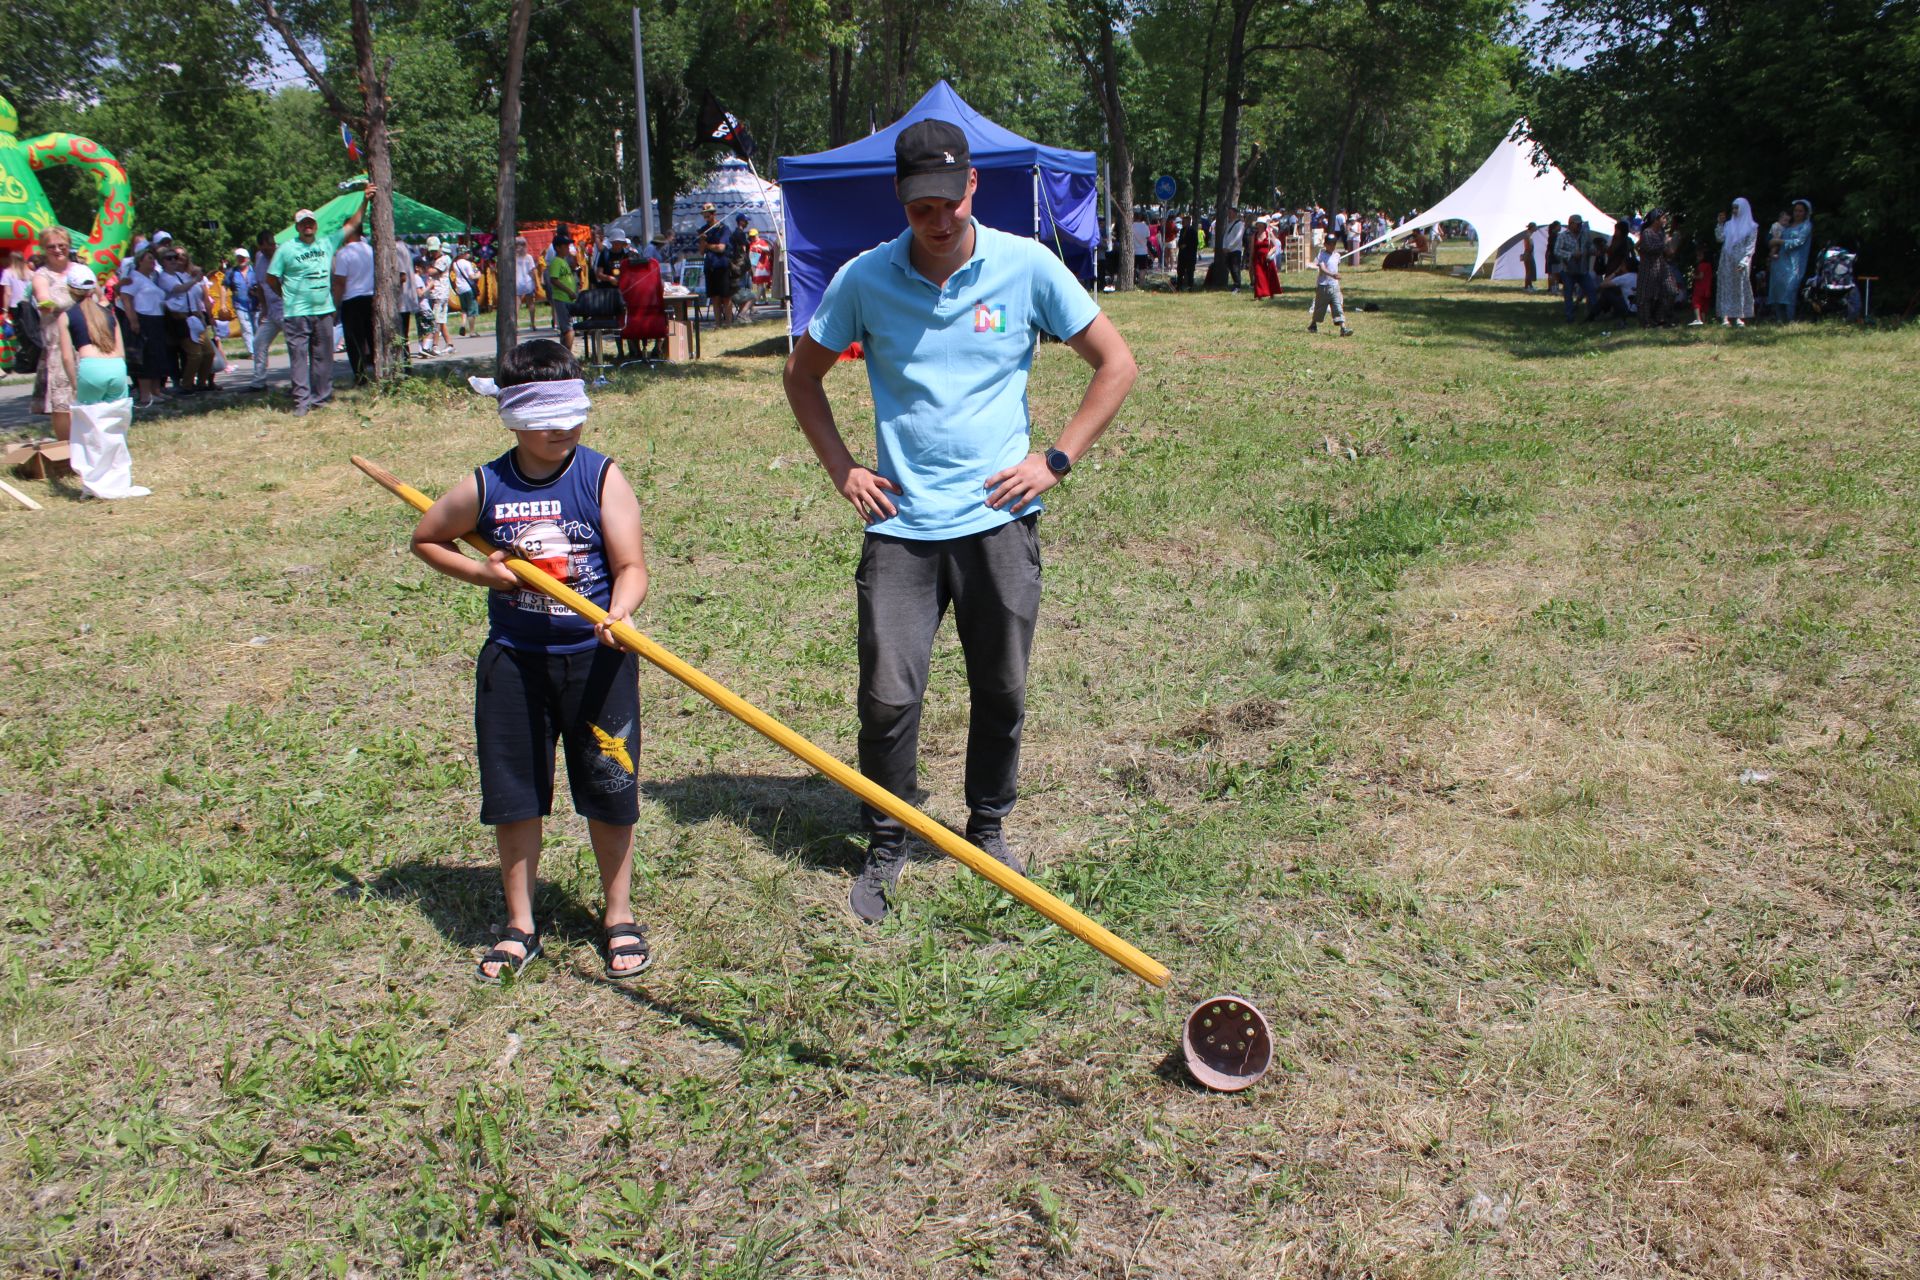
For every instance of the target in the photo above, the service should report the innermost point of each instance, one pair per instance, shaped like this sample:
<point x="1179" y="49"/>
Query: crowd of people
<point x="1637" y="272"/>
<point x="1640" y="272"/>
<point x="316" y="291"/>
<point x="1253" y="244"/>
<point x="1172" y="243"/>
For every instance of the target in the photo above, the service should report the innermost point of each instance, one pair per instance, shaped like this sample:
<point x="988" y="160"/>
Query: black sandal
<point x="638" y="947"/>
<point x="509" y="963"/>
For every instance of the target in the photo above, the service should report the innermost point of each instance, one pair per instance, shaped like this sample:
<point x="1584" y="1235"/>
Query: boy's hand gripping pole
<point x="1087" y="930"/>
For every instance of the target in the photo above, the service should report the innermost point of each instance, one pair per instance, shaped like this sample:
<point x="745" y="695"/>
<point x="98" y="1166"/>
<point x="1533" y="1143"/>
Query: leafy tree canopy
<point x="1691" y="104"/>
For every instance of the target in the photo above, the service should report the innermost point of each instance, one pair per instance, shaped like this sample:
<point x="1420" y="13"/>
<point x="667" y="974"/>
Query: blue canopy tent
<point x="840" y="203"/>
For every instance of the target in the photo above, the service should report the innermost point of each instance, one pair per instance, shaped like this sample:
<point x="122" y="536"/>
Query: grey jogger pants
<point x="1326" y="295"/>
<point x="992" y="580"/>
<point x="310" y="353"/>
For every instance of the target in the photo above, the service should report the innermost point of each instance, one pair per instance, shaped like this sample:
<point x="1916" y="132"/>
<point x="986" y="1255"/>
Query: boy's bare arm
<point x="621" y="536"/>
<point x="455" y="515"/>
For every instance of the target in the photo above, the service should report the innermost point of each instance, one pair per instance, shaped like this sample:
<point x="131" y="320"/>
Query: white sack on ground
<point x="99" y="449"/>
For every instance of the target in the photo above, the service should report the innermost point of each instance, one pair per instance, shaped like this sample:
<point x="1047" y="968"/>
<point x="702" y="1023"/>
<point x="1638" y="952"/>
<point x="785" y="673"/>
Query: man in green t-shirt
<point x="302" y="274"/>
<point x="563" y="286"/>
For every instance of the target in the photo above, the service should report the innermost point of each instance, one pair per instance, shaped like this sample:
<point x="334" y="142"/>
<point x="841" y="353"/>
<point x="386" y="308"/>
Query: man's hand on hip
<point x="867" y="490"/>
<point x="1020" y="484"/>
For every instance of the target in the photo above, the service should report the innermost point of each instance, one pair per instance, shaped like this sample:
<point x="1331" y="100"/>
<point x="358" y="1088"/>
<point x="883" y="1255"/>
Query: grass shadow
<point x="810" y="1054"/>
<point x="1534" y="327"/>
<point x="1526" y="332"/>
<point x="773" y="346"/>
<point x="1172" y="1070"/>
<point x="801" y="818"/>
<point x="463" y="902"/>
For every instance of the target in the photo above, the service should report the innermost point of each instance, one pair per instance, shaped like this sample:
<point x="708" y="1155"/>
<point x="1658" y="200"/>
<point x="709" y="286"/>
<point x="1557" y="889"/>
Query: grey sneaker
<point x="993" y="843"/>
<point x="871" y="889"/>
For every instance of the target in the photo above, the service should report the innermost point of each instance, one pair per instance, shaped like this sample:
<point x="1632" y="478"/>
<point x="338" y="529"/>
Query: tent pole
<point x="754" y="169"/>
<point x="640" y="116"/>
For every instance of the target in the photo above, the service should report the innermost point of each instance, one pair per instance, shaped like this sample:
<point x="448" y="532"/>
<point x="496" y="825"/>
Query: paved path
<point x="16" y="393"/>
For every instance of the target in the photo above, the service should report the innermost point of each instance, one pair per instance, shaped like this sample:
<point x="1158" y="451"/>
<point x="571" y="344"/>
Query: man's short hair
<point x="537" y="360"/>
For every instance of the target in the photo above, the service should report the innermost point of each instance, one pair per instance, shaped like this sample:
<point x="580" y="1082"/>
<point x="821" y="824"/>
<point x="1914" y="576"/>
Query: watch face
<point x="1058" y="462"/>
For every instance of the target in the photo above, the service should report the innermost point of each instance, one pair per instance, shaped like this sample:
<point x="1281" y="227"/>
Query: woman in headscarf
<point x="1620" y="255"/>
<point x="1266" y="247"/>
<point x="1733" y="284"/>
<point x="1660" y="289"/>
<point x="1790" y="268"/>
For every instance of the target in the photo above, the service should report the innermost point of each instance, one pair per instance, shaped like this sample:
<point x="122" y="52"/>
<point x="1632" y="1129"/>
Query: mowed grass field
<point x="1521" y="714"/>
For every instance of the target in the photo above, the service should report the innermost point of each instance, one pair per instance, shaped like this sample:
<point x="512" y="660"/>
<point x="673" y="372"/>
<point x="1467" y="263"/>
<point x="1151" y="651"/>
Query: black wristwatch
<point x="1058" y="462"/>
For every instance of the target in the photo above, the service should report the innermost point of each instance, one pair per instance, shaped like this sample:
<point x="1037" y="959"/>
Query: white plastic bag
<point x="219" y="360"/>
<point x="99" y="449"/>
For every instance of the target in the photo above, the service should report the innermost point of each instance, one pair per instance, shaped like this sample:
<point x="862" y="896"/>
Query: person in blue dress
<point x="1790" y="268"/>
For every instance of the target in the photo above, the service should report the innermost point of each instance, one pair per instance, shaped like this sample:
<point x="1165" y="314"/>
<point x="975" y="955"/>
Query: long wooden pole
<point x="1080" y="926"/>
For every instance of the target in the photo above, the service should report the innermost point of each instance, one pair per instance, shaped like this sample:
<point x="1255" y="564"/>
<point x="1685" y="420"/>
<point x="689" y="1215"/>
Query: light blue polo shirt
<point x="948" y="367"/>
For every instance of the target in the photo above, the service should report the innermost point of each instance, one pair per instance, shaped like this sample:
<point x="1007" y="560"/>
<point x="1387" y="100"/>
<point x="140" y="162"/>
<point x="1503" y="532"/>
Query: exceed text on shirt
<point x="525" y="510"/>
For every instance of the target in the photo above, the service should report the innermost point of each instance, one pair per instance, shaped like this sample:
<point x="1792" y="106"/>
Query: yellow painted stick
<point x="1087" y="930"/>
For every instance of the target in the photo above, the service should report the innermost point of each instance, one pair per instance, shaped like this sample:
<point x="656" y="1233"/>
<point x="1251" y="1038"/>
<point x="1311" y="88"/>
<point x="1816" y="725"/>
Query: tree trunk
<point x="1120" y="162"/>
<point x="666" y="145"/>
<point x="373" y="86"/>
<point x="506" y="332"/>
<point x="905" y="53"/>
<point x="1200" y="120"/>
<point x="1340" y="148"/>
<point x="1227" y="190"/>
<point x="371" y="124"/>
<point x="839" y="81"/>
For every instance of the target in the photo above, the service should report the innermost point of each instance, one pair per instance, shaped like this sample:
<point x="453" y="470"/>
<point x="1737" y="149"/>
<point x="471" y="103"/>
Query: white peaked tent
<point x="1501" y="198"/>
<point x="732" y="187"/>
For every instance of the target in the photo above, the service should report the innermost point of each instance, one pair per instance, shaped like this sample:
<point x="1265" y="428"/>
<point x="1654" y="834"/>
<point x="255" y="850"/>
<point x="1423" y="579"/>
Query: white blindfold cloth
<point x="538" y="406"/>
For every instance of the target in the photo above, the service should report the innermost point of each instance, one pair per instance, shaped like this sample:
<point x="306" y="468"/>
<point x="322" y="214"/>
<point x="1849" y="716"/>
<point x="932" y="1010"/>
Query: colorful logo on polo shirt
<point x="988" y="318"/>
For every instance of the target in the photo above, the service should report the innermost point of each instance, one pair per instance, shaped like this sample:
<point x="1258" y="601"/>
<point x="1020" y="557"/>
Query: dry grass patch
<point x="1434" y="748"/>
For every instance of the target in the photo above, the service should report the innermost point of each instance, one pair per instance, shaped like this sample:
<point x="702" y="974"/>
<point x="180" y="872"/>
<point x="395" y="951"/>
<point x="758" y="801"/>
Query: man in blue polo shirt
<point x="949" y="315"/>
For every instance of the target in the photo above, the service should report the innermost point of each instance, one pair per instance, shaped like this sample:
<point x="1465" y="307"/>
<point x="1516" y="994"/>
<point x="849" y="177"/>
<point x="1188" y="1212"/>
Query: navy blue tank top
<point x="555" y="524"/>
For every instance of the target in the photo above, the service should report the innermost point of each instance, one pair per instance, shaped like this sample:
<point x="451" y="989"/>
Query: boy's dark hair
<point x="537" y="360"/>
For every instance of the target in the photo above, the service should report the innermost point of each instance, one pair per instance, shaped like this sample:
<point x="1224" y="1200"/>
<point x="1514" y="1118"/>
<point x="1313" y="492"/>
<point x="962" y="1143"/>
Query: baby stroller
<point x="1830" y="288"/>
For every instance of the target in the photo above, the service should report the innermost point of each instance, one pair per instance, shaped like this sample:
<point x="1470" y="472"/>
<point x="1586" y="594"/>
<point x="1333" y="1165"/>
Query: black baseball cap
<point x="931" y="162"/>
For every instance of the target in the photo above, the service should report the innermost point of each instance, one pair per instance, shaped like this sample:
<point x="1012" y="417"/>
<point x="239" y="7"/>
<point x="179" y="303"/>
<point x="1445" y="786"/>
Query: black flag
<point x="717" y="124"/>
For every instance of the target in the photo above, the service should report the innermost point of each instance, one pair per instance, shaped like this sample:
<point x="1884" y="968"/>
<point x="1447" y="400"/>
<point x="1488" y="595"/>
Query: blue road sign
<point x="1164" y="187"/>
